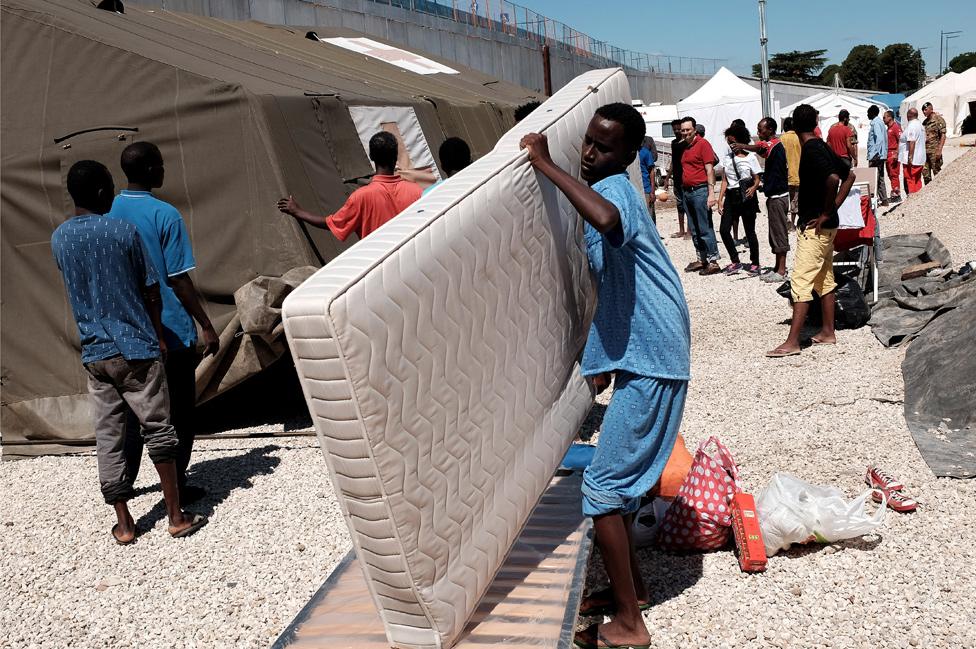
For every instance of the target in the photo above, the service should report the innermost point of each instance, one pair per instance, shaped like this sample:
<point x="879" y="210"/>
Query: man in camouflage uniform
<point x="935" y="137"/>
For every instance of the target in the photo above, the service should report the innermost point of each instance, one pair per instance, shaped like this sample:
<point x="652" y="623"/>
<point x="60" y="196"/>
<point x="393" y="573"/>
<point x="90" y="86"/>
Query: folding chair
<point x="860" y="229"/>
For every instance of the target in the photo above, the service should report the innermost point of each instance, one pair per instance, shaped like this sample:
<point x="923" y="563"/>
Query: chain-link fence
<point x="522" y="22"/>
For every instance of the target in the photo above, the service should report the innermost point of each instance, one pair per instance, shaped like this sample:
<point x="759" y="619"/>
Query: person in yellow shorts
<point x="825" y="181"/>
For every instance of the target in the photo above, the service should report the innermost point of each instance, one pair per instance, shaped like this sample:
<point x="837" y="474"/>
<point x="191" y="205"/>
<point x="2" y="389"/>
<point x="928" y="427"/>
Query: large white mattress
<point x="439" y="359"/>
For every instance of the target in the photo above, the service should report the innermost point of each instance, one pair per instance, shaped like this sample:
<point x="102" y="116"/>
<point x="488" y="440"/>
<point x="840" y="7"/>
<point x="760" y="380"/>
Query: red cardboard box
<point x="748" y="535"/>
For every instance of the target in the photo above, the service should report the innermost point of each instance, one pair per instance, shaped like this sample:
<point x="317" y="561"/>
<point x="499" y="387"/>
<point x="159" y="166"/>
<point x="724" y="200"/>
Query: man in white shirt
<point x="911" y="152"/>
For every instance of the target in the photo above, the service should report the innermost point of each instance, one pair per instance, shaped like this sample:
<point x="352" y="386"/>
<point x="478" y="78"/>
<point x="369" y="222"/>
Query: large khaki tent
<point x="243" y="113"/>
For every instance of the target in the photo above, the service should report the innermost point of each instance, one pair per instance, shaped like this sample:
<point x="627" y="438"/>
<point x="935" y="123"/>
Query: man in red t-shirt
<point x="698" y="187"/>
<point x="840" y="139"/>
<point x="892" y="164"/>
<point x="368" y="207"/>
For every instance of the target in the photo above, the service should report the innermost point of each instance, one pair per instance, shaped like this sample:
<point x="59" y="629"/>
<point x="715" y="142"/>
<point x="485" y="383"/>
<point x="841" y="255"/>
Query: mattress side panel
<point x="348" y="457"/>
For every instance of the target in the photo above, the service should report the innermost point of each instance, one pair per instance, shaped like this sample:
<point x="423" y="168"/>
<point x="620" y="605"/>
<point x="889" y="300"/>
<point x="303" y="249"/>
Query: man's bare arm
<point x="845" y="189"/>
<point x="710" y="174"/>
<point x="187" y="293"/>
<point x="595" y="209"/>
<point x="291" y="207"/>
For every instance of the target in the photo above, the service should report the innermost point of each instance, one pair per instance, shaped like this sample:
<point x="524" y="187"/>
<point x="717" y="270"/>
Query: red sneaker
<point x="897" y="501"/>
<point x="880" y="479"/>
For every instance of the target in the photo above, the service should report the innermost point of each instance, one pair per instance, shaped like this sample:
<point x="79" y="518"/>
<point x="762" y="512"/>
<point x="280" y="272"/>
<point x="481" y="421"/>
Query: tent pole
<point x="767" y="104"/>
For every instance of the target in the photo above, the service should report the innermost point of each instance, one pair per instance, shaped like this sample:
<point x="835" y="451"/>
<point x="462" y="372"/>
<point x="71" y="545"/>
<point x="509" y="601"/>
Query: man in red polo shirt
<point x="698" y="187"/>
<point x="893" y="166"/>
<point x="368" y="207"/>
<point x="840" y="139"/>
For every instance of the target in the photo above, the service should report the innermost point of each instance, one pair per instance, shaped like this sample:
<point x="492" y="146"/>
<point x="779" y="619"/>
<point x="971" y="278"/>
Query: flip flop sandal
<point x="116" y="539"/>
<point x="814" y="341"/>
<point x="198" y="521"/>
<point x="782" y="354"/>
<point x="602" y="642"/>
<point x="606" y="609"/>
<point x="897" y="501"/>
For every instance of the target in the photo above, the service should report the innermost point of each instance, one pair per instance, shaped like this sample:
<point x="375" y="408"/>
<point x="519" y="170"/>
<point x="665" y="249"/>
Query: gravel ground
<point x="276" y="530"/>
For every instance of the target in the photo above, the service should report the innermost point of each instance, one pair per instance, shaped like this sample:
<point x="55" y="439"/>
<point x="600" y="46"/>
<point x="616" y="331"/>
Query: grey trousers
<point x="116" y="386"/>
<point x="882" y="191"/>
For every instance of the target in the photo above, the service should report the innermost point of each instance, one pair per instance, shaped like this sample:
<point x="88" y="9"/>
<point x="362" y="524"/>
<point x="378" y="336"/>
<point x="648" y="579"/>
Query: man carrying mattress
<point x="640" y="334"/>
<point x="368" y="207"/>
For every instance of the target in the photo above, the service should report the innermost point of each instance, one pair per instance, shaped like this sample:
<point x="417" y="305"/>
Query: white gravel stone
<point x="276" y="530"/>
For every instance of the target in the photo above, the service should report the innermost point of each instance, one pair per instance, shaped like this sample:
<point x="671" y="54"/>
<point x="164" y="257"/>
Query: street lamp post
<point x="948" y="38"/>
<point x="767" y="104"/>
<point x="944" y="47"/>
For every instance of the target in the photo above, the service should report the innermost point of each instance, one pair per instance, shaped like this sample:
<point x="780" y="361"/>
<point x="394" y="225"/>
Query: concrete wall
<point x="495" y="53"/>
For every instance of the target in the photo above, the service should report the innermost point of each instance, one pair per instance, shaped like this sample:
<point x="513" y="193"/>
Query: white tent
<point x="950" y="95"/>
<point x="830" y="103"/>
<point x="723" y="98"/>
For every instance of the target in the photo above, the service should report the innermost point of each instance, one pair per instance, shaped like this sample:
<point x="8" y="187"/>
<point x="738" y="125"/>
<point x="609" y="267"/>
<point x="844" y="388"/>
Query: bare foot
<point x="601" y="603"/>
<point x="125" y="532"/>
<point x="824" y="339"/>
<point x="184" y="522"/>
<point x="783" y="350"/>
<point x="613" y="634"/>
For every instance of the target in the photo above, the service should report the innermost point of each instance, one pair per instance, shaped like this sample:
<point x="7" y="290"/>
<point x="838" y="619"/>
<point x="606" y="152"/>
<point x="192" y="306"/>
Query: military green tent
<point x="243" y="113"/>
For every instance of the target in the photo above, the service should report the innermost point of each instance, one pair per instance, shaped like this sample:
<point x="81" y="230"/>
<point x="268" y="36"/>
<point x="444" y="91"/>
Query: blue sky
<point x="730" y="29"/>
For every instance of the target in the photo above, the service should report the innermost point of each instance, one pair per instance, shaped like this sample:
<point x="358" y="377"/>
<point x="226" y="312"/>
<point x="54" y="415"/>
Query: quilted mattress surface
<point x="439" y="359"/>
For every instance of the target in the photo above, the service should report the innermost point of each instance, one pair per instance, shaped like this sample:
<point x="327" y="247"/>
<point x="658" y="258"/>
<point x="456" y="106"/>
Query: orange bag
<point x="674" y="471"/>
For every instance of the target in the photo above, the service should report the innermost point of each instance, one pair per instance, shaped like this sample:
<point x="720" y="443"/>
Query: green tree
<point x="826" y="76"/>
<point x="794" y="66"/>
<point x="860" y="68"/>
<point x="900" y="68"/>
<point x="962" y="62"/>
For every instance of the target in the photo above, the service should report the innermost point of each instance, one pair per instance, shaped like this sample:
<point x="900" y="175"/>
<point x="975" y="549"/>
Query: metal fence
<point x="522" y="22"/>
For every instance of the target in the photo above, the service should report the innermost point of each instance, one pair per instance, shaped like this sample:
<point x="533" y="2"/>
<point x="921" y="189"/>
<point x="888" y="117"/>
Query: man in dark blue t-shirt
<point x="114" y="296"/>
<point x="647" y="158"/>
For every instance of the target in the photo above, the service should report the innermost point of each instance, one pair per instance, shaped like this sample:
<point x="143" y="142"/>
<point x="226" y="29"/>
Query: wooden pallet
<point x="532" y="602"/>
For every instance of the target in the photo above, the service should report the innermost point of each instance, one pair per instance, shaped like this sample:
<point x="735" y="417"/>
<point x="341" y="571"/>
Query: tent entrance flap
<point x="402" y="122"/>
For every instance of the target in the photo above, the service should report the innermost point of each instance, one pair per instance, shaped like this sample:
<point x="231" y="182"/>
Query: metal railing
<point x="521" y="22"/>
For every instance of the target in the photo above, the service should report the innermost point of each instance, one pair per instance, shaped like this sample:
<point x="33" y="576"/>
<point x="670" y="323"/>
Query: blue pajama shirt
<point x="642" y="332"/>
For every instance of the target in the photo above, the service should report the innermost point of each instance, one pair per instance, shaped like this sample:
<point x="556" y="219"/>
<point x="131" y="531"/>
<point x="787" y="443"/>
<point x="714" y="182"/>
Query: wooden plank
<point x="919" y="269"/>
<point x="531" y="604"/>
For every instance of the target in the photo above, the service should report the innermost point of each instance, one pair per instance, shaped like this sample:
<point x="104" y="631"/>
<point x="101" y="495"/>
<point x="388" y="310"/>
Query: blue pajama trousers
<point x="638" y="434"/>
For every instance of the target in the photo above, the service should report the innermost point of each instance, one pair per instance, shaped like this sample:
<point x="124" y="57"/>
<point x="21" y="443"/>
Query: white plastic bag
<point x="793" y="511"/>
<point x="648" y="520"/>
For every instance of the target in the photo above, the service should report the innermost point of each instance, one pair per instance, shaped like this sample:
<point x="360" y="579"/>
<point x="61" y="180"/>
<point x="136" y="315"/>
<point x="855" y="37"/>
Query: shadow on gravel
<point x="666" y="575"/>
<point x="864" y="544"/>
<point x="218" y="477"/>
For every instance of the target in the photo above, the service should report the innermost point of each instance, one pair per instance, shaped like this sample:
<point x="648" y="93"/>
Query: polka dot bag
<point x="700" y="518"/>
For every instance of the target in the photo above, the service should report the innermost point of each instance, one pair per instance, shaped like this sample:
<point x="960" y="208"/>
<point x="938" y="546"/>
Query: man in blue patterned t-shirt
<point x="114" y="295"/>
<point x="641" y="333"/>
